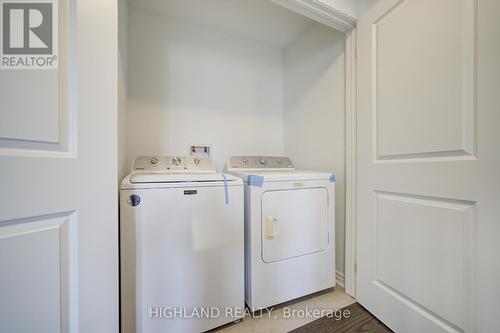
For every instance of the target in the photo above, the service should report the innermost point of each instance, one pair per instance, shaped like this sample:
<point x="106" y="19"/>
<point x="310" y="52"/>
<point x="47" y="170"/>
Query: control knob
<point x="176" y="161"/>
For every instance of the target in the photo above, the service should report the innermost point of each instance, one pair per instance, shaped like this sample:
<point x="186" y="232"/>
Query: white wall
<point x="122" y="88"/>
<point x="314" y="119"/>
<point x="364" y="6"/>
<point x="192" y="84"/>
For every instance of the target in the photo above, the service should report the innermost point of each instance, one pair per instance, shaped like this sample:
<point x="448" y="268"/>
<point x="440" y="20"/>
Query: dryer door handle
<point x="272" y="228"/>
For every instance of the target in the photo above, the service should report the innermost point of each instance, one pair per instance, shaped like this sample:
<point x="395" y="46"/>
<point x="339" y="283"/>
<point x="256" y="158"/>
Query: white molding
<point x="351" y="164"/>
<point x="320" y="12"/>
<point x="339" y="279"/>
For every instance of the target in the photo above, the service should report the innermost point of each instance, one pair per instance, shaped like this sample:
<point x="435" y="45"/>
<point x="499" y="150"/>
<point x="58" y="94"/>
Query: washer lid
<point x="158" y="177"/>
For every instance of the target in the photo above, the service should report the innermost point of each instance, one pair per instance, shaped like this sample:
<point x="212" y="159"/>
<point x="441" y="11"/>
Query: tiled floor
<point x="277" y="320"/>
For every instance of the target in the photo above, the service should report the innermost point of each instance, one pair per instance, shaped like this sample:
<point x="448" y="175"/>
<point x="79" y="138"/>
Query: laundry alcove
<point x="245" y="77"/>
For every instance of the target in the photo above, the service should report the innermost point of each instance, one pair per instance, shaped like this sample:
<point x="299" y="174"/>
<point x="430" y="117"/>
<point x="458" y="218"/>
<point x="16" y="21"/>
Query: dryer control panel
<point x="259" y="163"/>
<point x="173" y="164"/>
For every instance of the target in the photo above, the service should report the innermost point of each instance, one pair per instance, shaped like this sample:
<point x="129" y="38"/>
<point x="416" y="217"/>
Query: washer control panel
<point x="172" y="164"/>
<point x="260" y="162"/>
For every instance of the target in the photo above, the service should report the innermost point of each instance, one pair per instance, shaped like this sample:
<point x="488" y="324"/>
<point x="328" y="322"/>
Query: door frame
<point x="351" y="163"/>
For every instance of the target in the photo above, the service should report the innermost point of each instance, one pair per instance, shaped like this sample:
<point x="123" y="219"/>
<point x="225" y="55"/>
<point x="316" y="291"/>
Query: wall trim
<point x="339" y="279"/>
<point x="320" y="12"/>
<point x="351" y="164"/>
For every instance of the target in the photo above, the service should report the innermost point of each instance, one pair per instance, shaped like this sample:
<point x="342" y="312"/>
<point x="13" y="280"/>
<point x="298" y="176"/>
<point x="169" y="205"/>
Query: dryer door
<point x="294" y="223"/>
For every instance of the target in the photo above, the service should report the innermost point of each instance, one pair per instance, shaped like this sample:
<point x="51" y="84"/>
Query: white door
<point x="428" y="241"/>
<point x="58" y="183"/>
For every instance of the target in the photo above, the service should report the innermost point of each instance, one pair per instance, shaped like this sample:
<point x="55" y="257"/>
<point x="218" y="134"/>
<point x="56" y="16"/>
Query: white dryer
<point x="182" y="252"/>
<point x="289" y="229"/>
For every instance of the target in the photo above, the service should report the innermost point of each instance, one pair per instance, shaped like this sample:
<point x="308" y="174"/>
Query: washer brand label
<point x="190" y="192"/>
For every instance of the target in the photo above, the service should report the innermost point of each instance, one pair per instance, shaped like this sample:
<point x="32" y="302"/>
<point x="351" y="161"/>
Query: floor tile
<point x="288" y="316"/>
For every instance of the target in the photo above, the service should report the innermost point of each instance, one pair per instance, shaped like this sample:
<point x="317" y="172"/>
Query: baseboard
<point x="339" y="278"/>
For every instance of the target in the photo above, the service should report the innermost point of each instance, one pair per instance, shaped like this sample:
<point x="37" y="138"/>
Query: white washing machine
<point x="289" y="229"/>
<point x="182" y="246"/>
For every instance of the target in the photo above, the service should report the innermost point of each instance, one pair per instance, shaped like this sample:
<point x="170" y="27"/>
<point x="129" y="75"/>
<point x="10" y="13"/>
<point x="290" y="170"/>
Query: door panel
<point x="435" y="94"/>
<point x="428" y="164"/>
<point x="58" y="197"/>
<point x="300" y="222"/>
<point x="38" y="263"/>
<point x="416" y="235"/>
<point x="38" y="110"/>
<point x="41" y="108"/>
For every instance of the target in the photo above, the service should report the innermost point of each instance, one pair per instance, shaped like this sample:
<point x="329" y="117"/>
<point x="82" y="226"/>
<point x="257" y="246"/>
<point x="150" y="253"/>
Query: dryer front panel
<point x="294" y="223"/>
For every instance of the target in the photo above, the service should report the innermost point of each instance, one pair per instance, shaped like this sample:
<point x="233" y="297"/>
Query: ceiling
<point x="258" y="20"/>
